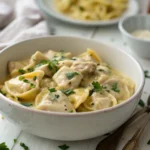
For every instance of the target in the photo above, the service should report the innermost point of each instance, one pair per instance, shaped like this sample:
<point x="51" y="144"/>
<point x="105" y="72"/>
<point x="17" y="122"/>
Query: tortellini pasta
<point x="59" y="82"/>
<point x="92" y="9"/>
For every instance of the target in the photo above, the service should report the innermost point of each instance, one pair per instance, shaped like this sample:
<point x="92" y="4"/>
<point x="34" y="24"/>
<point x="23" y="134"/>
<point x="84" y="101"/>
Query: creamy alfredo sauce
<point x="61" y="82"/>
<point x="142" y="34"/>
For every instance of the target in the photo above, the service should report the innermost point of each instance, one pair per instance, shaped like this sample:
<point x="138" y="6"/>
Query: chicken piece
<point x="84" y="67"/>
<point x="65" y="62"/>
<point x="14" y="65"/>
<point x="57" y="55"/>
<point x="53" y="101"/>
<point x="67" y="78"/>
<point x="103" y="69"/>
<point x="47" y="83"/>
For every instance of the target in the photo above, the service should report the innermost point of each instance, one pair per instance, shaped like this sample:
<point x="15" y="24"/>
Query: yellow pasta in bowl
<point x="62" y="82"/>
<point x="92" y="9"/>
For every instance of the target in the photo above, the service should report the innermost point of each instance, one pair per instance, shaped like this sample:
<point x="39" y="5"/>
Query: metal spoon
<point x="133" y="142"/>
<point x="111" y="142"/>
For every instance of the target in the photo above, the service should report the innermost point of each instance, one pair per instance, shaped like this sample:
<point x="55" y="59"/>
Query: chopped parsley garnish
<point x="32" y="85"/>
<point x="30" y="69"/>
<point x="115" y="87"/>
<point x="73" y="58"/>
<point x="27" y="104"/>
<point x="146" y="73"/>
<point x="52" y="90"/>
<point x="97" y="87"/>
<point x="24" y="146"/>
<point x="3" y="146"/>
<point x="64" y="147"/>
<point x="34" y="78"/>
<point x="70" y="75"/>
<point x="148" y="142"/>
<point x="21" y="77"/>
<point x="141" y="103"/>
<point x="68" y="92"/>
<point x="21" y="71"/>
<point x="2" y="92"/>
<point x="26" y="81"/>
<point x="52" y="65"/>
<point x="57" y="96"/>
<point x="15" y="140"/>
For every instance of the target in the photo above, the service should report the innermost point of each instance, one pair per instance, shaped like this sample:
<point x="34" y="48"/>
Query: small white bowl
<point x="128" y="25"/>
<point x="72" y="126"/>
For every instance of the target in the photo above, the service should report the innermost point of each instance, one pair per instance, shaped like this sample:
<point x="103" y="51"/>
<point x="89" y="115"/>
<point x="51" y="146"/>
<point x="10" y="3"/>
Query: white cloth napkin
<point x="22" y="19"/>
<point x="27" y="21"/>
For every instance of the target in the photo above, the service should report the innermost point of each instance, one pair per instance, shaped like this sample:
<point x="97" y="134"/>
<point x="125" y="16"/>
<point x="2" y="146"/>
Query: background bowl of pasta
<point x="88" y="13"/>
<point x="58" y="121"/>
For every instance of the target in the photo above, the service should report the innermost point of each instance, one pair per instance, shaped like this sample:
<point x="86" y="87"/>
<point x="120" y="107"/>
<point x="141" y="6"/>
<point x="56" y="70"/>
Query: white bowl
<point x="48" y="8"/>
<point x="62" y="126"/>
<point x="139" y="22"/>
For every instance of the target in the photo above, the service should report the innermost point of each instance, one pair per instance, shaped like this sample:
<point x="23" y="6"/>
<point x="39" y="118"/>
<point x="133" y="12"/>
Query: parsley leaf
<point x="15" y="140"/>
<point x="52" y="90"/>
<point x="3" y="146"/>
<point x="148" y="142"/>
<point x="30" y="69"/>
<point x="70" y="75"/>
<point x="21" y="71"/>
<point x="24" y="146"/>
<point x="146" y="73"/>
<point x="97" y="86"/>
<point x="115" y="87"/>
<point x="34" y="78"/>
<point x="68" y="92"/>
<point x="64" y="147"/>
<point x="141" y="103"/>
<point x="27" y="104"/>
<point x="21" y="77"/>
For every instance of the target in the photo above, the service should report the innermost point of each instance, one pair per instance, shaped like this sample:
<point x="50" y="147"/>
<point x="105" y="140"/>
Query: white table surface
<point x="111" y="35"/>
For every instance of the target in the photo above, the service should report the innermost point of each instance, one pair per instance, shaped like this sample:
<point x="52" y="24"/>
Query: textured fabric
<point x="22" y="20"/>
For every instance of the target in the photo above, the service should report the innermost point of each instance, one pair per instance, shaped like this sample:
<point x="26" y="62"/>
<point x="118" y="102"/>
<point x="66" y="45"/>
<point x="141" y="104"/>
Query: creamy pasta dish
<point x="92" y="9"/>
<point x="61" y="82"/>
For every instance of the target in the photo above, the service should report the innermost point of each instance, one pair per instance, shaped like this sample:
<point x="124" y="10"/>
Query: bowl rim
<point x="126" y="33"/>
<point x="139" y="89"/>
<point x="69" y="20"/>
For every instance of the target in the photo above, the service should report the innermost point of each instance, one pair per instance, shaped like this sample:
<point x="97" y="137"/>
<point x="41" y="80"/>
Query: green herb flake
<point x="32" y="85"/>
<point x="15" y="140"/>
<point x="24" y="146"/>
<point x="146" y="73"/>
<point x="21" y="71"/>
<point x="34" y="78"/>
<point x="115" y="87"/>
<point x="56" y="96"/>
<point x="52" y="90"/>
<point x="27" y="104"/>
<point x="70" y="75"/>
<point x="3" y="146"/>
<point x="26" y="81"/>
<point x="21" y="77"/>
<point x="141" y="103"/>
<point x="30" y="69"/>
<point x="68" y="92"/>
<point x="64" y="147"/>
<point x="97" y="87"/>
<point x="148" y="142"/>
<point x="2" y="92"/>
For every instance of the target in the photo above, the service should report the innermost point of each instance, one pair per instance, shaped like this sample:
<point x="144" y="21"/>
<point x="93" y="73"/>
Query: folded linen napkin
<point x="27" y="21"/>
